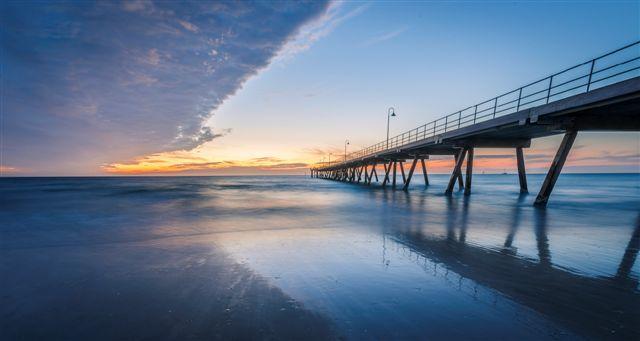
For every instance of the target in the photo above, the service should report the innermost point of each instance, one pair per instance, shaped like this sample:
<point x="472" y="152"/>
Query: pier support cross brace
<point x="556" y="168"/>
<point x="408" y="180"/>
<point x="424" y="172"/>
<point x="456" y="174"/>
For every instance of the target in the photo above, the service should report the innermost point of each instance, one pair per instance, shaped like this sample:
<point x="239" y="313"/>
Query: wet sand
<point x="300" y="258"/>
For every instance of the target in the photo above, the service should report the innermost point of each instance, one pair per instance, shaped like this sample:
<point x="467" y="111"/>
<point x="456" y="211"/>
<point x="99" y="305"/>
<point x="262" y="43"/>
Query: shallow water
<point x="294" y="257"/>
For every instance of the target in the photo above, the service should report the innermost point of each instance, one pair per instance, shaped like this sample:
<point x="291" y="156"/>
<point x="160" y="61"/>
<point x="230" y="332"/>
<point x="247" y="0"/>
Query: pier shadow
<point x="595" y="307"/>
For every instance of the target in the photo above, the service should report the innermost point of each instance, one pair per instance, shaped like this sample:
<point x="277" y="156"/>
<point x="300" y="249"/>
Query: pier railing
<point x="613" y="67"/>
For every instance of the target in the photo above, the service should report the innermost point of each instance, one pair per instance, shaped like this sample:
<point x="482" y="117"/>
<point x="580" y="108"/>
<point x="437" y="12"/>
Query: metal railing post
<point x="593" y="63"/>
<point x="549" y="90"/>
<point x="475" y="112"/>
<point x="495" y="107"/>
<point x="459" y="118"/>
<point x="519" y="97"/>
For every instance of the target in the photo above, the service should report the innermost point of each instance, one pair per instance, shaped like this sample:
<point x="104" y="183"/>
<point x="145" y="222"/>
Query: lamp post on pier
<point x="391" y="112"/>
<point x="346" y="143"/>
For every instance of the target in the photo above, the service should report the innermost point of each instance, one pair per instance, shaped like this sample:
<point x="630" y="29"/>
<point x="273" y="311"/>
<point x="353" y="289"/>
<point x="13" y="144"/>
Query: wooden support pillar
<point x="404" y="178"/>
<point x="387" y="169"/>
<point x="460" y="185"/>
<point x="556" y="168"/>
<point x="522" y="175"/>
<point x="374" y="172"/>
<point x="413" y="167"/>
<point x="467" y="185"/>
<point x="424" y="172"/>
<point x="456" y="171"/>
<point x="366" y="173"/>
<point x="393" y="181"/>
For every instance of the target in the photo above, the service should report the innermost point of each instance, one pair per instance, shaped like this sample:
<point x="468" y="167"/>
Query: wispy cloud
<point x="309" y="34"/>
<point x="384" y="37"/>
<point x="188" y="26"/>
<point x="8" y="170"/>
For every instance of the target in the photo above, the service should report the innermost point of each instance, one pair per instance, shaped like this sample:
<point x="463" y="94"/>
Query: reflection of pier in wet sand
<point x="601" y="307"/>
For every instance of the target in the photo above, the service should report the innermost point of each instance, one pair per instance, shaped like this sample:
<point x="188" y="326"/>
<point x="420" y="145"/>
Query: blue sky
<point x="246" y="87"/>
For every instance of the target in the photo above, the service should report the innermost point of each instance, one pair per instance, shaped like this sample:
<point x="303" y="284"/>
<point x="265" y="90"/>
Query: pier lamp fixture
<point x="346" y="143"/>
<point x="391" y="112"/>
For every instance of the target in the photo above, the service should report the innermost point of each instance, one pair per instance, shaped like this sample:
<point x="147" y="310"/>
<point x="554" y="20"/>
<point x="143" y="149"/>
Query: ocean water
<point x="300" y="258"/>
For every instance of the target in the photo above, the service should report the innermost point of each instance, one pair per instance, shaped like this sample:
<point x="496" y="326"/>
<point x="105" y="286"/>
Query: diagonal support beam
<point x="413" y="167"/>
<point x="404" y="178"/>
<point x="456" y="174"/>
<point x="460" y="182"/>
<point x="522" y="174"/>
<point x="387" y="169"/>
<point x="424" y="172"/>
<point x="467" y="185"/>
<point x="556" y="168"/>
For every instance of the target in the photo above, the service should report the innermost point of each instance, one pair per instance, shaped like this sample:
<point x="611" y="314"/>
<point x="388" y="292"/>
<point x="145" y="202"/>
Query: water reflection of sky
<point x="373" y="286"/>
<point x="376" y="263"/>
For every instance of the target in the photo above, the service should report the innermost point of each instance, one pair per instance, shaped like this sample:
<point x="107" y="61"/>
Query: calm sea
<point x="301" y="258"/>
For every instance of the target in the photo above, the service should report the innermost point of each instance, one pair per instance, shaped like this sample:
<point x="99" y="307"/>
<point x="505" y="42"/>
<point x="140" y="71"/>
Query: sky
<point x="214" y="88"/>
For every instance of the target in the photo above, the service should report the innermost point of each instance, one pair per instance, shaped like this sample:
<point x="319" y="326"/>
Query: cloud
<point x="267" y="159"/>
<point x="309" y="34"/>
<point x="8" y="170"/>
<point x="152" y="57"/>
<point x="323" y="152"/>
<point x="293" y="165"/>
<point x="384" y="37"/>
<point x="182" y="162"/>
<point x="153" y="73"/>
<point x="136" y="5"/>
<point x="206" y="134"/>
<point x="188" y="26"/>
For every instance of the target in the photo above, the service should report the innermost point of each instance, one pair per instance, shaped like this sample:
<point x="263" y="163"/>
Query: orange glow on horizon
<point x="183" y="161"/>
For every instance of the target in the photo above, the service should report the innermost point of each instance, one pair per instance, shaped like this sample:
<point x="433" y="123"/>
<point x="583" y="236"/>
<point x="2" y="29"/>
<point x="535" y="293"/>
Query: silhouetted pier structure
<point x="602" y="94"/>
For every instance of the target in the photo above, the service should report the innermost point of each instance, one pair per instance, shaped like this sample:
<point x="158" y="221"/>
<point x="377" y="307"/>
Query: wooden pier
<point x="602" y="94"/>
